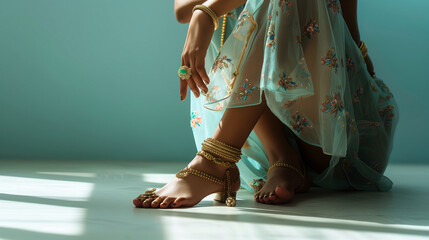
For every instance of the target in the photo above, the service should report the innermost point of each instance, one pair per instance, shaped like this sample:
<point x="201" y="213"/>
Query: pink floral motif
<point x="332" y="104"/>
<point x="358" y="94"/>
<point x="221" y="63"/>
<point x="330" y="60"/>
<point x="310" y="29"/>
<point x="195" y="120"/>
<point x="334" y="5"/>
<point x="350" y="64"/>
<point x="286" y="82"/>
<point x="299" y="122"/>
<point x="246" y="91"/>
<point x="289" y="103"/>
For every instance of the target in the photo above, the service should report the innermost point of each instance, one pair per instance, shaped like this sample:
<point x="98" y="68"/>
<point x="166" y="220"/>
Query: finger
<point x="196" y="69"/>
<point x="183" y="83"/>
<point x="200" y="68"/>
<point x="191" y="82"/>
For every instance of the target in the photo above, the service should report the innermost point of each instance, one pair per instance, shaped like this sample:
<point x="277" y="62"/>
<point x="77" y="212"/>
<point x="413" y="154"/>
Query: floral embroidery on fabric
<point x="221" y="63"/>
<point x="332" y="104"/>
<point x="243" y="17"/>
<point x="334" y="5"/>
<point x="351" y="123"/>
<point x="373" y="87"/>
<point x="330" y="60"/>
<point x="213" y="91"/>
<point x="271" y="37"/>
<point x="219" y="107"/>
<point x="372" y="125"/>
<point x="310" y="29"/>
<point x="289" y="103"/>
<point x="384" y="88"/>
<point x="286" y="82"/>
<point x="358" y="94"/>
<point x="388" y="110"/>
<point x="300" y="122"/>
<point x="246" y="91"/>
<point x="350" y="64"/>
<point x="285" y="5"/>
<point x="195" y="120"/>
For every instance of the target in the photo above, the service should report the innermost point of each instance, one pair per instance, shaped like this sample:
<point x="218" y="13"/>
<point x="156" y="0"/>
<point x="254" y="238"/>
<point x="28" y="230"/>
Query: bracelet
<point x="363" y="49"/>
<point x="209" y="12"/>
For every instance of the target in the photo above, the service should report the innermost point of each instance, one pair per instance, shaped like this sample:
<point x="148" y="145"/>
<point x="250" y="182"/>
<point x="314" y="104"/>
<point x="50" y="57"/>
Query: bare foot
<point x="282" y="183"/>
<point x="188" y="191"/>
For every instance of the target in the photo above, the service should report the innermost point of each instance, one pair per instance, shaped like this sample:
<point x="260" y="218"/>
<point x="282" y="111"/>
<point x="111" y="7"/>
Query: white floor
<point x="92" y="200"/>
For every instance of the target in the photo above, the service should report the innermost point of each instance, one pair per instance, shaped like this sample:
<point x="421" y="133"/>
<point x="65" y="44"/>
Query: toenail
<point x="173" y="205"/>
<point x="163" y="204"/>
<point x="265" y="196"/>
<point x="155" y="202"/>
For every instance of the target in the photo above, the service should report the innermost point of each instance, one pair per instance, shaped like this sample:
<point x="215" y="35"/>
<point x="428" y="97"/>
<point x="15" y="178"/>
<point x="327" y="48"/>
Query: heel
<point x="223" y="197"/>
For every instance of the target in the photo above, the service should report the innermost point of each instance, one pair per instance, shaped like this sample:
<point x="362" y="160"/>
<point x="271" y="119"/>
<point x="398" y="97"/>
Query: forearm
<point x="349" y="8"/>
<point x="183" y="9"/>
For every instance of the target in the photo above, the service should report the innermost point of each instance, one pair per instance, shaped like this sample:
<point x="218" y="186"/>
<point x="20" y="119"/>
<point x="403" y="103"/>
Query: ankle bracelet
<point x="216" y="160"/>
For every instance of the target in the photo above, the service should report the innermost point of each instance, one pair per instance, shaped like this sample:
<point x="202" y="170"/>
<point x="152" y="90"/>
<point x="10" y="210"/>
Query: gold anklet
<point x="282" y="164"/>
<point x="224" y="144"/>
<point x="221" y="154"/>
<point x="216" y="160"/>
<point x="220" y="148"/>
<point x="185" y="172"/>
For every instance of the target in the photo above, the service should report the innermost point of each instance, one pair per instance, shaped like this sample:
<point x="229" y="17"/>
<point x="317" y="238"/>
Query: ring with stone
<point x="185" y="72"/>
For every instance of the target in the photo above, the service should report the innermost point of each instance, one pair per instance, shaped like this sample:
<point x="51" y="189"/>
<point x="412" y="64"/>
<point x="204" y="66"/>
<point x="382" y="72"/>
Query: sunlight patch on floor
<point x="71" y="174"/>
<point x="46" y="188"/>
<point x="157" y="177"/>
<point x="42" y="218"/>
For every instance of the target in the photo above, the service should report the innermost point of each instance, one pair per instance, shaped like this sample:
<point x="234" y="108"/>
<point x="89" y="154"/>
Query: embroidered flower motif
<point x="372" y="125"/>
<point x="246" y="91"/>
<point x="285" y="5"/>
<point x="271" y="37"/>
<point x="388" y="110"/>
<point x="350" y="64"/>
<point x="213" y="91"/>
<point x="384" y="88"/>
<point x="332" y="104"/>
<point x="219" y="107"/>
<point x="302" y="74"/>
<point x="289" y="103"/>
<point x="243" y="17"/>
<point x="310" y="29"/>
<point x="330" y="60"/>
<point x="358" y="94"/>
<point x="373" y="87"/>
<point x="195" y="120"/>
<point x="286" y="82"/>
<point x="299" y="122"/>
<point x="351" y="123"/>
<point x="334" y="5"/>
<point x="221" y="63"/>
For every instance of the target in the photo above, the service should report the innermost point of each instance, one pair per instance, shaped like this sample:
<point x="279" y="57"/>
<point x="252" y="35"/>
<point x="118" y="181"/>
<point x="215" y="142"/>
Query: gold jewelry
<point x="363" y="49"/>
<point x="148" y="194"/>
<point x="184" y="72"/>
<point x="221" y="149"/>
<point x="282" y="164"/>
<point x="210" y="12"/>
<point x="216" y="160"/>
<point x="226" y="196"/>
<point x="222" y="36"/>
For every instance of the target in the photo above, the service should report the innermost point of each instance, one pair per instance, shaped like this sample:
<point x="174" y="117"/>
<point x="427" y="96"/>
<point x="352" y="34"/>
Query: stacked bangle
<point x="363" y="49"/>
<point x="210" y="12"/>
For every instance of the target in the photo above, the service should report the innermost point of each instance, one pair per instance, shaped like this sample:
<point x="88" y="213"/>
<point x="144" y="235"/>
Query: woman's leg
<point x="233" y="129"/>
<point x="282" y="183"/>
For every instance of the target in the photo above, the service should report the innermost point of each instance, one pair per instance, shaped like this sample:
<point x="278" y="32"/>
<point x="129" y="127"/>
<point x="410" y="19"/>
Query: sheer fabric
<point x="301" y="55"/>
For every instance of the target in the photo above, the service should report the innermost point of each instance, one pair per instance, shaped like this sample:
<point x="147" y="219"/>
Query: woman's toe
<point x="272" y="197"/>
<point x="177" y="203"/>
<point x="157" y="201"/>
<point x="137" y="202"/>
<point x="147" y="202"/>
<point x="167" y="201"/>
<point x="283" y="195"/>
<point x="267" y="198"/>
<point x="256" y="197"/>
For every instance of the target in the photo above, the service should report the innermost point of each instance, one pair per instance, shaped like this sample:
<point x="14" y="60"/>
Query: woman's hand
<point x="200" y="33"/>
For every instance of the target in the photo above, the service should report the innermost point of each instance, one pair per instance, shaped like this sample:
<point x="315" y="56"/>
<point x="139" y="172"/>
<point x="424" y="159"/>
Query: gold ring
<point x="184" y="72"/>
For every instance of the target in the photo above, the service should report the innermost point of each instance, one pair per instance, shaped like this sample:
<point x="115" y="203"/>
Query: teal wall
<point x="86" y="79"/>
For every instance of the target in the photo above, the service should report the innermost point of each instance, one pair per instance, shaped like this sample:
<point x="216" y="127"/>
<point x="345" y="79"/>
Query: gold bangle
<point x="210" y="12"/>
<point x="363" y="49"/>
